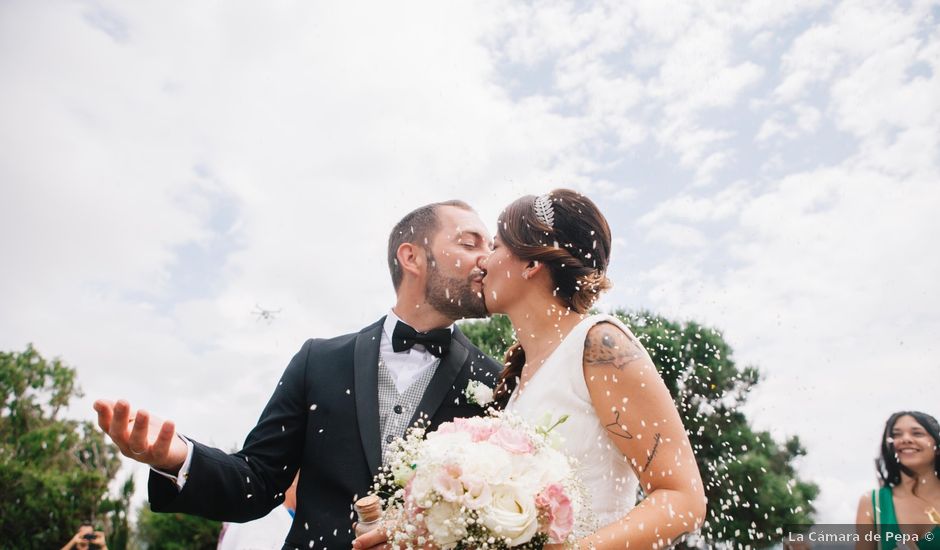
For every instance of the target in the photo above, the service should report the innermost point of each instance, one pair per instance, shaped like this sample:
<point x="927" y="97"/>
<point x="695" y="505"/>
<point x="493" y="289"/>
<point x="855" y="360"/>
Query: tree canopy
<point x="174" y="531"/>
<point x="54" y="472"/>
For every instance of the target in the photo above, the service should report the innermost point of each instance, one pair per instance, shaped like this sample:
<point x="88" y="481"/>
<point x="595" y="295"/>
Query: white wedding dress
<point x="558" y="388"/>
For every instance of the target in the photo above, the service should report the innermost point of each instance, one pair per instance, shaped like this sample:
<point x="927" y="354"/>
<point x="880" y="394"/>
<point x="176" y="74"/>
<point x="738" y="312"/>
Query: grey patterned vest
<point x="396" y="410"/>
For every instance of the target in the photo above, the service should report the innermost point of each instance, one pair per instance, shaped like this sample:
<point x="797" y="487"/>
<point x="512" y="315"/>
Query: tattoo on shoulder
<point x="652" y="453"/>
<point x="609" y="347"/>
<point x="618" y="429"/>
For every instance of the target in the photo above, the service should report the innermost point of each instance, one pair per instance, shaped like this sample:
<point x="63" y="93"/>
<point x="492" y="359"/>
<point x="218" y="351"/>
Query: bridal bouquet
<point x="490" y="482"/>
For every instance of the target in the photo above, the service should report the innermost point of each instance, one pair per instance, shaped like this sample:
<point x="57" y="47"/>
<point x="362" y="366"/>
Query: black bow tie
<point x="436" y="341"/>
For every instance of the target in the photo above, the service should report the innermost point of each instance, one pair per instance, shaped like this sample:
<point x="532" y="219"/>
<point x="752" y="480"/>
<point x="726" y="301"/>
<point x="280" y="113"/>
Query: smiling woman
<point x="907" y="506"/>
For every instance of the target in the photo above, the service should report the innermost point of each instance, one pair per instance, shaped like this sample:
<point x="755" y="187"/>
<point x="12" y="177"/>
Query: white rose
<point x="402" y="474"/>
<point x="444" y="524"/>
<point x="479" y="393"/>
<point x="439" y="444"/>
<point x="511" y="514"/>
<point x="483" y="394"/>
<point x="477" y="492"/>
<point x="487" y="462"/>
<point x="533" y="472"/>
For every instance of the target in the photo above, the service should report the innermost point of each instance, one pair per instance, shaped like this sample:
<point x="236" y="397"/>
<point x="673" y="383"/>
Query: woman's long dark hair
<point x="888" y="466"/>
<point x="575" y="248"/>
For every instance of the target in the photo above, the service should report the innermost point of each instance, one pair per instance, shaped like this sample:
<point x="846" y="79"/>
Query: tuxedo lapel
<point x="443" y="378"/>
<point x="366" y="373"/>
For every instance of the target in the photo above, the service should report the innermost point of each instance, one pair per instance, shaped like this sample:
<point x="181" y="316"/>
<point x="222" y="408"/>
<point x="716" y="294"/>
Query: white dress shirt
<point x="404" y="366"/>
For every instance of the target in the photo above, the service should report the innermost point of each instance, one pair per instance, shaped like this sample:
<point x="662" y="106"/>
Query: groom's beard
<point x="453" y="296"/>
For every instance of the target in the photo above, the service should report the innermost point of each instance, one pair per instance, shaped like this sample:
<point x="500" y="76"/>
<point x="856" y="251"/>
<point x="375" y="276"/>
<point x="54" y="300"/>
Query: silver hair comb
<point x="544" y="211"/>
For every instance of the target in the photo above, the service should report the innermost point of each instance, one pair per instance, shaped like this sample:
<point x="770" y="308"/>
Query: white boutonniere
<point x="478" y="393"/>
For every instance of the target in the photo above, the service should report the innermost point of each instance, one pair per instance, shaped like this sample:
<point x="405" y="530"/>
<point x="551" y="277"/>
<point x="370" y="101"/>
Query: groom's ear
<point x="411" y="258"/>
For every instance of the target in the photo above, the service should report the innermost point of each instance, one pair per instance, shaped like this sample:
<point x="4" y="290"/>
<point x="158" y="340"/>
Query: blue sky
<point x="767" y="168"/>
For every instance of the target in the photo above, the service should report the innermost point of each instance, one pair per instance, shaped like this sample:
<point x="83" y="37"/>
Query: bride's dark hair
<point x="575" y="248"/>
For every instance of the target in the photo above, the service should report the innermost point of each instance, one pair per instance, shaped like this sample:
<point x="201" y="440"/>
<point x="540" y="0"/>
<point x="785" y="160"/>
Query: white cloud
<point x="877" y="98"/>
<point x="723" y="205"/>
<point x="856" y="31"/>
<point x="771" y="127"/>
<point x="805" y="120"/>
<point x="676" y="235"/>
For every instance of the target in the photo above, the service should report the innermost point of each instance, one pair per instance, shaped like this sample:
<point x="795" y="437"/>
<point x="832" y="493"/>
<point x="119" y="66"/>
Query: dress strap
<point x="876" y="515"/>
<point x="887" y="519"/>
<point x="886" y="503"/>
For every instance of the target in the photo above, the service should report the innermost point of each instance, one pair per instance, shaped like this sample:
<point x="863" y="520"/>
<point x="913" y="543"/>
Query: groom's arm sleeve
<point x="180" y="478"/>
<point x="246" y="485"/>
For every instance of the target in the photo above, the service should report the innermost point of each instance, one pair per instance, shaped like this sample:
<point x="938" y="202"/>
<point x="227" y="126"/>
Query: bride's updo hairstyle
<point x="565" y="231"/>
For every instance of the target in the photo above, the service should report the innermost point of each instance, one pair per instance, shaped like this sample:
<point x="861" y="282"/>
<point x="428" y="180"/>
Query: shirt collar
<point x="391" y="320"/>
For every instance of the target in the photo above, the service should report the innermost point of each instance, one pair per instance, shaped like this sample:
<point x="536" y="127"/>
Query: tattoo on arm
<point x="617" y="429"/>
<point x="601" y="349"/>
<point x="652" y="453"/>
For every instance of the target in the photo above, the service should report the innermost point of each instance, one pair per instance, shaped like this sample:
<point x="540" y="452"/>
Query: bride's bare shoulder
<point x="608" y="345"/>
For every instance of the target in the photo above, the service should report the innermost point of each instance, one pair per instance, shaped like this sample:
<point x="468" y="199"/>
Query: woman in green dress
<point x="906" y="509"/>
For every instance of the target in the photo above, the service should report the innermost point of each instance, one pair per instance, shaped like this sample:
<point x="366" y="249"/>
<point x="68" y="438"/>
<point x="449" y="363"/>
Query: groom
<point x="340" y="401"/>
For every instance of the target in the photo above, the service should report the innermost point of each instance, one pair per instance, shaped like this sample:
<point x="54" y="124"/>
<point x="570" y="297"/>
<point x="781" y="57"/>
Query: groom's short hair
<point x="417" y="227"/>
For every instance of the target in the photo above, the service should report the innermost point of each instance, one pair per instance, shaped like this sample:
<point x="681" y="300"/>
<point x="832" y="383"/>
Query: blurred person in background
<point x="267" y="533"/>
<point x="87" y="539"/>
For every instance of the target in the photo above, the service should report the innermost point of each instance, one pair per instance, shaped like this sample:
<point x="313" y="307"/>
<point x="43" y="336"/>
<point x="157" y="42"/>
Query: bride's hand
<point x="377" y="539"/>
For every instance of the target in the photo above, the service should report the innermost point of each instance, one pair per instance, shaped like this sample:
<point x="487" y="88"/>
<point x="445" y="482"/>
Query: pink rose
<point x="479" y="431"/>
<point x="447" y="483"/>
<point x="557" y="507"/>
<point x="447" y="428"/>
<point x="513" y="441"/>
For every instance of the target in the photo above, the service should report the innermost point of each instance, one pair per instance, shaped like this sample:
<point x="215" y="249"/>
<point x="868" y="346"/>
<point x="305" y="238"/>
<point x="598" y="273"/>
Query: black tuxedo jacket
<point x="323" y="419"/>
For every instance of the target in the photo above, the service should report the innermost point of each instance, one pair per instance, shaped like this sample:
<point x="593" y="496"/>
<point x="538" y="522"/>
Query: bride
<point x="547" y="268"/>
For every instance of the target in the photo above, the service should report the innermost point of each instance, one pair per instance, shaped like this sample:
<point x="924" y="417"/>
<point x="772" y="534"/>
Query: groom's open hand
<point x="132" y="433"/>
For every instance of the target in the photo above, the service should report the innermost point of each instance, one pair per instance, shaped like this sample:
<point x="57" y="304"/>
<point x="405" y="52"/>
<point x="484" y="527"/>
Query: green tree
<point x="54" y="472"/>
<point x="118" y="510"/>
<point x="159" y="531"/>
<point x="493" y="336"/>
<point x="752" y="487"/>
